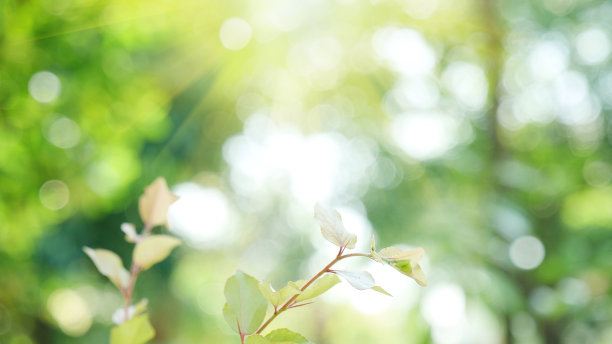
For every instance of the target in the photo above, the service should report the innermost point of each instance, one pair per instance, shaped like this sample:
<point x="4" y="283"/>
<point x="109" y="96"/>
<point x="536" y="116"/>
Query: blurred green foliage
<point x="476" y="129"/>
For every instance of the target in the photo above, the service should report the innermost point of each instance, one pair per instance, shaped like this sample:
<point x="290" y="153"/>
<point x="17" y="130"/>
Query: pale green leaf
<point x="153" y="249"/>
<point x="277" y="298"/>
<point x="318" y="287"/>
<point x="284" y="335"/>
<point x="110" y="265"/>
<point x="405" y="261"/>
<point x="380" y="290"/>
<point x="256" y="339"/>
<point x="130" y="232"/>
<point x="396" y="253"/>
<point x="153" y="204"/>
<point x="245" y="306"/>
<point x="332" y="227"/>
<point x="137" y="330"/>
<point x="361" y="280"/>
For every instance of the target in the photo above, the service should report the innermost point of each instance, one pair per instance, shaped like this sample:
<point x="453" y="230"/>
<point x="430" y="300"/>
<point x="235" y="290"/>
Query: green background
<point x="476" y="129"/>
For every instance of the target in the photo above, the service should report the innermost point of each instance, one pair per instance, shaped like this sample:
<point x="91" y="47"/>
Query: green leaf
<point x="277" y="298"/>
<point x="405" y="261"/>
<point x="380" y="290"/>
<point x="153" y="204"/>
<point x="321" y="285"/>
<point x="153" y="249"/>
<point x="245" y="306"/>
<point x="280" y="336"/>
<point x="284" y="335"/>
<point x="256" y="339"/>
<point x="361" y="280"/>
<point x="110" y="265"/>
<point x="332" y="227"/>
<point x="137" y="330"/>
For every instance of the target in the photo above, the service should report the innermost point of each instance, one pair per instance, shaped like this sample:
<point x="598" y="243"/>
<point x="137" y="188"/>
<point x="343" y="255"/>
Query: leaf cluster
<point x="247" y="299"/>
<point x="133" y="324"/>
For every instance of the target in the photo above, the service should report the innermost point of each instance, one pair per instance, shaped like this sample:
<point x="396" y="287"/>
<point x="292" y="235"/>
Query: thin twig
<point x="134" y="271"/>
<point x="289" y="303"/>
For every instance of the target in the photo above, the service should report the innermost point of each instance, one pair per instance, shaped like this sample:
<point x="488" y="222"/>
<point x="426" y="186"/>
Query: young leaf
<point x="153" y="249"/>
<point x="405" y="261"/>
<point x="256" y="339"/>
<point x="245" y="306"/>
<point x="137" y="330"/>
<point x="277" y="298"/>
<point x="332" y="227"/>
<point x="280" y="336"/>
<point x="361" y="280"/>
<point x="130" y="232"/>
<point x="321" y="285"/>
<point x="284" y="335"/>
<point x="153" y="204"/>
<point x="135" y="310"/>
<point x="109" y="264"/>
<point x="380" y="290"/>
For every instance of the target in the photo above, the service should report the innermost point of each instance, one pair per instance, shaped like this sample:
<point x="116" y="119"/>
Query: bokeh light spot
<point x="444" y="305"/>
<point x="63" y="133"/>
<point x="70" y="311"/>
<point x="405" y="50"/>
<point x="426" y="135"/>
<point x="235" y="33"/>
<point x="200" y="215"/>
<point x="593" y="46"/>
<point x="44" y="87"/>
<point x="527" y="252"/>
<point x="54" y="194"/>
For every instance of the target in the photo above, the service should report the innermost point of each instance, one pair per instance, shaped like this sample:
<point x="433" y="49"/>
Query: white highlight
<point x="235" y="33"/>
<point x="527" y="252"/>
<point x="405" y="50"/>
<point x="444" y="306"/>
<point x="593" y="46"/>
<point x="44" y="87"/>
<point x="425" y="136"/>
<point x="468" y="83"/>
<point x="200" y="215"/>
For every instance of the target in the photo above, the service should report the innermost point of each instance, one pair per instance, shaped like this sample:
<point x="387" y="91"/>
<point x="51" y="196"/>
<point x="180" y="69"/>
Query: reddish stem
<point x="288" y="304"/>
<point x="134" y="271"/>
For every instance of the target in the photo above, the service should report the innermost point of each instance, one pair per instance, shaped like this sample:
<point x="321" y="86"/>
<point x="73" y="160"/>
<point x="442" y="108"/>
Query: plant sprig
<point x="133" y="324"/>
<point x="247" y="299"/>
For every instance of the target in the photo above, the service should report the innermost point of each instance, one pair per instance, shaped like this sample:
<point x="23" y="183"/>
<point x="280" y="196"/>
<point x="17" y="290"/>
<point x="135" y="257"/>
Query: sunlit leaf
<point x="360" y="280"/>
<point x="280" y="336"/>
<point x="405" y="261"/>
<point x="110" y="265"/>
<point x="245" y="306"/>
<point x="154" y="249"/>
<point x="277" y="298"/>
<point x="332" y="227"/>
<point x="256" y="339"/>
<point x="397" y="253"/>
<point x="153" y="204"/>
<point x="284" y="335"/>
<point x="318" y="287"/>
<point x="134" y="331"/>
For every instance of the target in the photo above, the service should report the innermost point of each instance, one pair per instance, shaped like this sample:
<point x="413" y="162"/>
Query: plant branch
<point x="289" y="303"/>
<point x="134" y="271"/>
